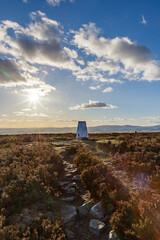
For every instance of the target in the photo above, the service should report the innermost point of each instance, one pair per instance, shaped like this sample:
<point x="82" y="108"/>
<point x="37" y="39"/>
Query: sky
<point x="62" y="61"/>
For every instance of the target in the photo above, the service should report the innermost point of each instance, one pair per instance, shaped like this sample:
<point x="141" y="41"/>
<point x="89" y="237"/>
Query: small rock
<point x="71" y="190"/>
<point x="67" y="175"/>
<point x="71" y="185"/>
<point x="97" y="227"/>
<point x="69" y="213"/>
<point x="62" y="184"/>
<point x="70" y="234"/>
<point x="97" y="211"/>
<point x="112" y="236"/>
<point x="65" y="162"/>
<point x="77" y="178"/>
<point x="71" y="170"/>
<point x="68" y="199"/>
<point x="85" y="208"/>
<point x="71" y="165"/>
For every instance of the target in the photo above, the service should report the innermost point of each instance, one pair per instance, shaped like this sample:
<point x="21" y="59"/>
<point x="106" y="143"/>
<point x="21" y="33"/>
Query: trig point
<point x="82" y="131"/>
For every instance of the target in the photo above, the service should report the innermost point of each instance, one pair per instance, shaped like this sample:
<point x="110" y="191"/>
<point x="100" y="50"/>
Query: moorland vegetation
<point x="120" y="170"/>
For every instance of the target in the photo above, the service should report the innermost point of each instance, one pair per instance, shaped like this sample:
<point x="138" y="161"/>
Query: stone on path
<point x="68" y="175"/>
<point x="71" y="190"/>
<point x="77" y="178"/>
<point x="97" y="211"/>
<point x="96" y="226"/>
<point x="71" y="170"/>
<point x="85" y="208"/>
<point x="69" y="213"/>
<point x="62" y="184"/>
<point x="112" y="236"/>
<point x="70" y="185"/>
<point x="70" y="165"/>
<point x="70" y="234"/>
<point x="68" y="199"/>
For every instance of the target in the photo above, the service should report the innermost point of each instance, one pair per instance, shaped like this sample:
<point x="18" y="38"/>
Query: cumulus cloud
<point x="116" y="49"/>
<point x="9" y="73"/>
<point x="107" y="90"/>
<point x="92" y="104"/>
<point x="119" y="55"/>
<point x="39" y="43"/>
<point x="99" y="71"/>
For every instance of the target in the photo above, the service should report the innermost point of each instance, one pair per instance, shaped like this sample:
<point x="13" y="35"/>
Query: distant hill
<point x="125" y="128"/>
<point x="97" y="129"/>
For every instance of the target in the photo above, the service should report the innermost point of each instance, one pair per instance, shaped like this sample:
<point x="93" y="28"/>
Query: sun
<point x="33" y="96"/>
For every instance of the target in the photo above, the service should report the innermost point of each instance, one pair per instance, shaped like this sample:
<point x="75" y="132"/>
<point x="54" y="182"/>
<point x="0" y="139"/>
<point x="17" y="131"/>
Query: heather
<point x="122" y="171"/>
<point x="29" y="189"/>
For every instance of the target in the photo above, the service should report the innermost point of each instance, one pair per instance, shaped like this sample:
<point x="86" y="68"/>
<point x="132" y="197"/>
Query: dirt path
<point x="74" y="195"/>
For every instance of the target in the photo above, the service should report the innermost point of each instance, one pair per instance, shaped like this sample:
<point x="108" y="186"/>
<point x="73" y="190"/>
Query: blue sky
<point x="96" y="60"/>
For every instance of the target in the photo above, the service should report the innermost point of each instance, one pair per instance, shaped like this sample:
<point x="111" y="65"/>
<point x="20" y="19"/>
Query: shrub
<point x="71" y="150"/>
<point x="29" y="175"/>
<point x="122" y="220"/>
<point x="40" y="228"/>
<point x="104" y="186"/>
<point x="85" y="159"/>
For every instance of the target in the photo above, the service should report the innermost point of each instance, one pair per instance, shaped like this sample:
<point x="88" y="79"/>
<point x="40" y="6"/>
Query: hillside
<point x="96" y="129"/>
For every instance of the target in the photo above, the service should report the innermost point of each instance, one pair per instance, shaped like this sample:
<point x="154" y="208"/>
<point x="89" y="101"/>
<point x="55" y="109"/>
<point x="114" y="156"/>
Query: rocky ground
<point x="83" y="218"/>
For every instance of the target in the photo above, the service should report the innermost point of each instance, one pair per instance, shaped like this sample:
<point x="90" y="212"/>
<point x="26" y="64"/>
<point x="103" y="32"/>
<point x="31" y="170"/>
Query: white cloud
<point x="54" y="2"/>
<point x="38" y="43"/>
<point x="41" y="89"/>
<point x="119" y="56"/>
<point x="4" y="115"/>
<point x="143" y="20"/>
<point x="57" y="2"/>
<point x="25" y="1"/>
<point x="98" y="71"/>
<point x="29" y="49"/>
<point x="32" y="115"/>
<point x="92" y="104"/>
<point x="107" y="90"/>
<point x="95" y="87"/>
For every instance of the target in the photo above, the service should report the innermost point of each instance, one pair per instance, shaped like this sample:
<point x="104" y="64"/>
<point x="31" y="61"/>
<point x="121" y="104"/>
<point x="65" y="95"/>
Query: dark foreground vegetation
<point x="120" y="170"/>
<point x="123" y="171"/>
<point x="28" y="189"/>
